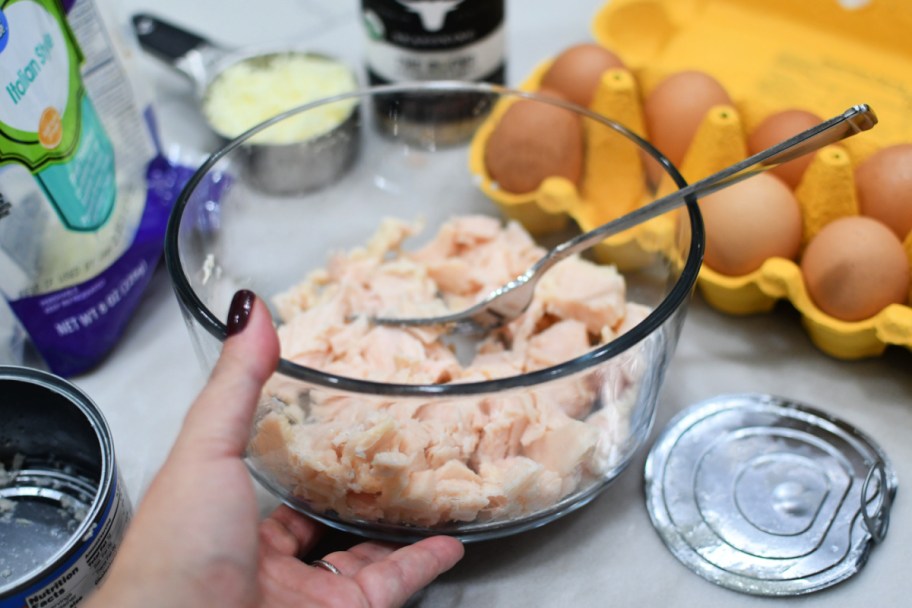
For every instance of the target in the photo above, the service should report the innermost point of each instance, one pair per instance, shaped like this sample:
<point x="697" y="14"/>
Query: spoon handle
<point x="854" y="120"/>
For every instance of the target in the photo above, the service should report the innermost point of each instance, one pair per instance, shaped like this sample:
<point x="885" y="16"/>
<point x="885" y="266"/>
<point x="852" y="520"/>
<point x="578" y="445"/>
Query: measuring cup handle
<point x="164" y="40"/>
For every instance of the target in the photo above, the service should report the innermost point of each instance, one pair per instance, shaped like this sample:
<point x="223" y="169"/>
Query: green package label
<point x="82" y="190"/>
<point x="47" y="122"/>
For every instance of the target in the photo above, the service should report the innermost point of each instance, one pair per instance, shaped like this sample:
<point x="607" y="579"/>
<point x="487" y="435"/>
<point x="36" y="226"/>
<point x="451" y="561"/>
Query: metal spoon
<point x="509" y="301"/>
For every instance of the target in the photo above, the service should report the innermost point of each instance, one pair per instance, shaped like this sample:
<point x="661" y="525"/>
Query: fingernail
<point x="239" y="311"/>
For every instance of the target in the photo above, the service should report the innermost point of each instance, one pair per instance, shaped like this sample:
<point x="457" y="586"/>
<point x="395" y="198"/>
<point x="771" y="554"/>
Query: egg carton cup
<point x="656" y="38"/>
<point x="599" y="197"/>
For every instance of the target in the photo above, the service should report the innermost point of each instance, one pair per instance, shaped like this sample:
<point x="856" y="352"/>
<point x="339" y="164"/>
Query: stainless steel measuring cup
<point x="274" y="168"/>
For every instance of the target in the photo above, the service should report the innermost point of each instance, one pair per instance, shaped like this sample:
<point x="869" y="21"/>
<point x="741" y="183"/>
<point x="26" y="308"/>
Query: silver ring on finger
<point x="325" y="565"/>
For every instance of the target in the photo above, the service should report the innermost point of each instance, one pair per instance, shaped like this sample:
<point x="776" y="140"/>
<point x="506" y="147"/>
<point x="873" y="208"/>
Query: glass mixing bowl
<point x="358" y="447"/>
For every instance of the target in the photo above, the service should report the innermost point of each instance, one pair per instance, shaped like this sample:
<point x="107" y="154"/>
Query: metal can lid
<point x="56" y="469"/>
<point x="767" y="496"/>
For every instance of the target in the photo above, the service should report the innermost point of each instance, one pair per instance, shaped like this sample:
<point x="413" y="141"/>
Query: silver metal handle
<point x="854" y="120"/>
<point x="181" y="49"/>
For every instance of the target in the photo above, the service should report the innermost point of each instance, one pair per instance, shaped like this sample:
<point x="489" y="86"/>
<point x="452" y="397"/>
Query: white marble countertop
<point x="607" y="554"/>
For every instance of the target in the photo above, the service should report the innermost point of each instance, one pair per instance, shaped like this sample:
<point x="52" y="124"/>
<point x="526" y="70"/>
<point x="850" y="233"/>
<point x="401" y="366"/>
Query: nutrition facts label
<point x="66" y="587"/>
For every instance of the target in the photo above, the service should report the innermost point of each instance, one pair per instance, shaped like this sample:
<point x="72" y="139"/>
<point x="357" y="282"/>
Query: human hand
<point x="196" y="539"/>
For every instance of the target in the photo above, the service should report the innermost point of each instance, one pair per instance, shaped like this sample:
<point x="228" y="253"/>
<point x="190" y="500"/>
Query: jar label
<point x="433" y="40"/>
<point x="473" y="62"/>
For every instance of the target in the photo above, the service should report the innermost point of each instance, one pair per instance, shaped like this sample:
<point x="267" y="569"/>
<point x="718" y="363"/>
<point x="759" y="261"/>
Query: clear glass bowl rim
<point x="675" y="298"/>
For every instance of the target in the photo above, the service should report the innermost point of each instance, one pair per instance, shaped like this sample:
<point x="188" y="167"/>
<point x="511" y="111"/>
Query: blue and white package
<point x="85" y="190"/>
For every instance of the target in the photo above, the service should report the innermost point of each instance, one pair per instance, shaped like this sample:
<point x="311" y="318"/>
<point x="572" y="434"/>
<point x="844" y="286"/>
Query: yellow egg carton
<point x="600" y="196"/>
<point x="823" y="58"/>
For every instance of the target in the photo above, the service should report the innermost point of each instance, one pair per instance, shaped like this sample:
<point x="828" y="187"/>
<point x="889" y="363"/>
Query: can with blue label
<point x="63" y="509"/>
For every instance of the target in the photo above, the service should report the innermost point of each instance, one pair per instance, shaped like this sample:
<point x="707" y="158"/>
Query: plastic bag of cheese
<point x="84" y="190"/>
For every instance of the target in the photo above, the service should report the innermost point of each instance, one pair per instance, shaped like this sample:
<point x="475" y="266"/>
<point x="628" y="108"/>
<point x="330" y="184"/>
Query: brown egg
<point x="749" y="222"/>
<point x="575" y="73"/>
<point x="675" y="108"/>
<point x="854" y="267"/>
<point x="534" y="140"/>
<point x="884" y="183"/>
<point x="907" y="245"/>
<point x="778" y="127"/>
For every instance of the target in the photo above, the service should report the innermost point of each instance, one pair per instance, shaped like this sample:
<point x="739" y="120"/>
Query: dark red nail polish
<point x="239" y="311"/>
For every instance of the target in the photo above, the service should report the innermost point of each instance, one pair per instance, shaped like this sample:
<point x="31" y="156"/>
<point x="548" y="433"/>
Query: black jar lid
<point x="767" y="496"/>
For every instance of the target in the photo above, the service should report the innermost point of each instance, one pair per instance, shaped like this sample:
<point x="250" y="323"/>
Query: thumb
<point x="218" y="423"/>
